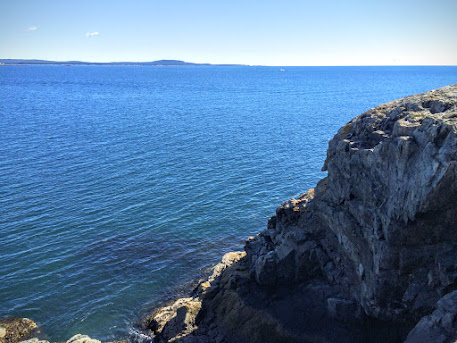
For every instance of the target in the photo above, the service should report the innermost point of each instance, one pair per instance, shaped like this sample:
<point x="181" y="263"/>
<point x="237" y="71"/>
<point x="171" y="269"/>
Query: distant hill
<point x="154" y="63"/>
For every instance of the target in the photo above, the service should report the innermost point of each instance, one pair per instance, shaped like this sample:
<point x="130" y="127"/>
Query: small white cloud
<point x="31" y="28"/>
<point x="91" y="34"/>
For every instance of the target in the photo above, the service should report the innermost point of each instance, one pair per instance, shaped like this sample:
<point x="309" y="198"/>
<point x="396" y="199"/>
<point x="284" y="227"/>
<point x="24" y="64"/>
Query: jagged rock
<point x="363" y="255"/>
<point x="178" y="321"/>
<point x="440" y="326"/>
<point x="14" y="330"/>
<point x="382" y="224"/>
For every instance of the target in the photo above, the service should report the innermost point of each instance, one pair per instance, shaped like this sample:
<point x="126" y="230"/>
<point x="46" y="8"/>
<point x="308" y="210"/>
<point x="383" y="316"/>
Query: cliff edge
<point x="368" y="255"/>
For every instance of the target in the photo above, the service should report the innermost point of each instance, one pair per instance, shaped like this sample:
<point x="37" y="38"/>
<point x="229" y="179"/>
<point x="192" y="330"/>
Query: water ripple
<point x="119" y="184"/>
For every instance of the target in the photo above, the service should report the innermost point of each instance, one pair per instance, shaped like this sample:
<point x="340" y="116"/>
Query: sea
<point x="121" y="185"/>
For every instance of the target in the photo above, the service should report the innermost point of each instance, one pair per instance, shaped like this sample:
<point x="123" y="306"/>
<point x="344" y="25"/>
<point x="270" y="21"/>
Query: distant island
<point x="154" y="63"/>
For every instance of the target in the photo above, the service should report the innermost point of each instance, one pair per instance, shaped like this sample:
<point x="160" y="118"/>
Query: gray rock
<point x="386" y="210"/>
<point x="440" y="326"/>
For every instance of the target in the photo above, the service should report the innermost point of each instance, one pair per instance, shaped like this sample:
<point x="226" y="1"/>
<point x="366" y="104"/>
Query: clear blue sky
<point x="287" y="32"/>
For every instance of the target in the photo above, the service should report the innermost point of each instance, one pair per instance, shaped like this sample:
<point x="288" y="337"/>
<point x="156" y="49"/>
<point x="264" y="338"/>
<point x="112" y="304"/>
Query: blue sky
<point x="287" y="32"/>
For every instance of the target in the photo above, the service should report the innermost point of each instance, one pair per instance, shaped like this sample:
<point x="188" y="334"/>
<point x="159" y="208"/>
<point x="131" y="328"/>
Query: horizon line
<point x="216" y="64"/>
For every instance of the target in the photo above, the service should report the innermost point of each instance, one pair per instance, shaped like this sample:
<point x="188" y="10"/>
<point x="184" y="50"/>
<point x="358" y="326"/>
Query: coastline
<point x="304" y="259"/>
<point x="315" y="259"/>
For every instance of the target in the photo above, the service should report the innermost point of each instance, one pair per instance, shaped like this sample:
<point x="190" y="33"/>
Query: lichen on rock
<point x="13" y="330"/>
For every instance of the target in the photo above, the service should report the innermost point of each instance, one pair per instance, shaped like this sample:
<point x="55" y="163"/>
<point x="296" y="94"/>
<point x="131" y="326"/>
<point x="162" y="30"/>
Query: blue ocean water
<point x="118" y="184"/>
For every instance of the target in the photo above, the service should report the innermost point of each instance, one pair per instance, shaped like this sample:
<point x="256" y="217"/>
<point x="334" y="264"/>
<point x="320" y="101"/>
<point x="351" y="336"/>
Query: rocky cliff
<point x="383" y="224"/>
<point x="362" y="257"/>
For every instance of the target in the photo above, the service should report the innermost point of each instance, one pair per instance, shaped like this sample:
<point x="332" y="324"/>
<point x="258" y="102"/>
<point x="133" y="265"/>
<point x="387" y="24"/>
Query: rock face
<point x="359" y="258"/>
<point x="440" y="325"/>
<point x="383" y="223"/>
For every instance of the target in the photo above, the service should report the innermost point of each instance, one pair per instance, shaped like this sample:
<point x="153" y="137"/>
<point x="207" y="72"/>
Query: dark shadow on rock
<point x="237" y="309"/>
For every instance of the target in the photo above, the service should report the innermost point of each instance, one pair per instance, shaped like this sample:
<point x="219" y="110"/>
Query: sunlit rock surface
<point x="13" y="330"/>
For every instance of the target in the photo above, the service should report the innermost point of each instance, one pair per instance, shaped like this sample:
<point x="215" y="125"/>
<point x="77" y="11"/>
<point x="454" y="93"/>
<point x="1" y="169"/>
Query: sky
<point x="279" y="33"/>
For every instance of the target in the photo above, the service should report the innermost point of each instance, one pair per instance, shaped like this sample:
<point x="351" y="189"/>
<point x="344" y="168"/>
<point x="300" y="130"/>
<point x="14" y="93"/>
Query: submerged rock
<point x="359" y="258"/>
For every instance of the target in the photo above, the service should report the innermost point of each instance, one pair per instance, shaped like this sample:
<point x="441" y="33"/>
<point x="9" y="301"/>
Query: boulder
<point x="13" y="330"/>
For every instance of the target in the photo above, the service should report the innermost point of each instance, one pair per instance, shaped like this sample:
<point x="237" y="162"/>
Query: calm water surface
<point x="119" y="184"/>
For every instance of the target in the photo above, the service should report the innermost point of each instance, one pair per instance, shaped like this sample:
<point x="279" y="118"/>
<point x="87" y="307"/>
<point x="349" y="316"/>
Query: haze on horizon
<point x="290" y="32"/>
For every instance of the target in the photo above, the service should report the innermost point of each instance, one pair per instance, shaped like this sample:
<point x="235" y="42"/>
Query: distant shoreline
<point x="153" y="63"/>
<point x="162" y="63"/>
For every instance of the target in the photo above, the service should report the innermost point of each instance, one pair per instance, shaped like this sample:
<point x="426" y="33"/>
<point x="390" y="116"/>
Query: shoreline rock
<point x="362" y="257"/>
<point x="14" y="330"/>
<point x="24" y="330"/>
